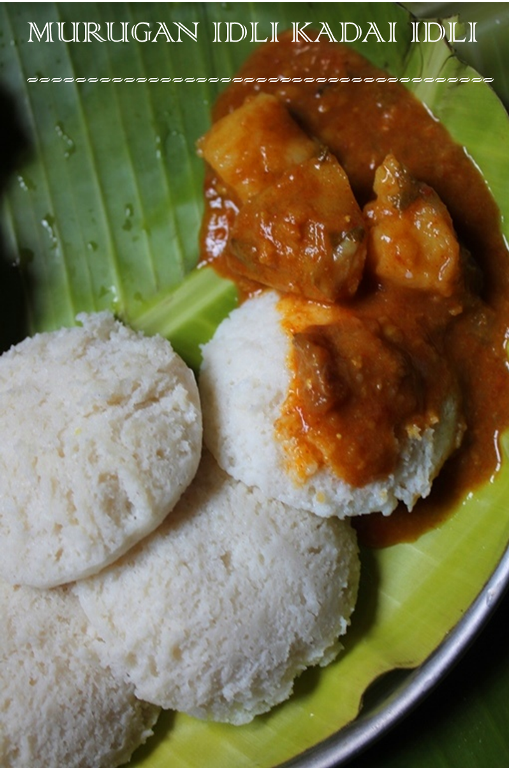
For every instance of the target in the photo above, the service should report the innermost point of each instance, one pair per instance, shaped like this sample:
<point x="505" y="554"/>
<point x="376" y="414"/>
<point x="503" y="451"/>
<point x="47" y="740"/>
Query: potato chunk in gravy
<point x="412" y="241"/>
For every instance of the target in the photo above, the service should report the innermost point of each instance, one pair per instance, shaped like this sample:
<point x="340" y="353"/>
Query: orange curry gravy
<point x="360" y="123"/>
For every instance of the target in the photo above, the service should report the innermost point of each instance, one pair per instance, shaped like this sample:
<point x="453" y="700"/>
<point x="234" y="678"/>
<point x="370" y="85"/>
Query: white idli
<point x="101" y="433"/>
<point x="233" y="596"/>
<point x="244" y="381"/>
<point x="59" y="705"/>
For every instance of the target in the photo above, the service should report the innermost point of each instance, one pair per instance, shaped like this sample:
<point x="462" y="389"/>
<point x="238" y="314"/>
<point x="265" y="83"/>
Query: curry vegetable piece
<point x="304" y="234"/>
<point x="299" y="227"/>
<point x="412" y="241"/>
<point x="250" y="147"/>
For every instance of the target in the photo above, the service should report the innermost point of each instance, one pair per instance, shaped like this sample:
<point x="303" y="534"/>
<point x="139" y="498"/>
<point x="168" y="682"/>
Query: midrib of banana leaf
<point x="105" y="213"/>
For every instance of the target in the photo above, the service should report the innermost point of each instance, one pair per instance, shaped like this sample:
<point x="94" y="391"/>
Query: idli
<point x="101" y="433"/>
<point x="59" y="705"/>
<point x="244" y="381"/>
<point x="220" y="609"/>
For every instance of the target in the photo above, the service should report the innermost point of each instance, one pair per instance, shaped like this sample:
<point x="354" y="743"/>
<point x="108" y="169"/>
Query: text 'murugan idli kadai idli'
<point x="59" y="705"/>
<point x="218" y="611"/>
<point x="253" y="426"/>
<point x="101" y="433"/>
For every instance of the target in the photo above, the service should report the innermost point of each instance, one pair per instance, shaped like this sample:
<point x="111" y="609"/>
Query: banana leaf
<point x="101" y="208"/>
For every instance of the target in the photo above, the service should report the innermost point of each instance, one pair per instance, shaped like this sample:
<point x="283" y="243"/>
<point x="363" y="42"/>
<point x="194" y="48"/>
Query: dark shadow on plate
<point x="366" y="608"/>
<point x="305" y="683"/>
<point x="161" y="730"/>
<point x="303" y="686"/>
<point x="15" y="147"/>
<point x="382" y="687"/>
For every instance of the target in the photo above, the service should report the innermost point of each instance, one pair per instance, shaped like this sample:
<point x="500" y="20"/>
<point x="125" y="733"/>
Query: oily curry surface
<point x="443" y="333"/>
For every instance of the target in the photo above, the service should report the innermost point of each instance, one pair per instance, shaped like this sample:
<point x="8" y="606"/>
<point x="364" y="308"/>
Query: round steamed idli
<point x="59" y="705"/>
<point x="101" y="433"/>
<point x="233" y="596"/>
<point x="244" y="381"/>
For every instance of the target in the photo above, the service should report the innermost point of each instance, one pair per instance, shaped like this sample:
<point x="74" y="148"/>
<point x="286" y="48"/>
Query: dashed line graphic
<point x="259" y="79"/>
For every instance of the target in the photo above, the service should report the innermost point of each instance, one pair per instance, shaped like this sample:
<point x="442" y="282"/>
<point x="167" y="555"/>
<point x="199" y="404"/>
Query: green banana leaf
<point x="101" y="208"/>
